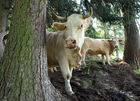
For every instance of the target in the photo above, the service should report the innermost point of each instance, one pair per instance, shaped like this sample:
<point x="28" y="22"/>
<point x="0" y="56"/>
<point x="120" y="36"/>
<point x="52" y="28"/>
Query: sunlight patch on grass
<point x="137" y="71"/>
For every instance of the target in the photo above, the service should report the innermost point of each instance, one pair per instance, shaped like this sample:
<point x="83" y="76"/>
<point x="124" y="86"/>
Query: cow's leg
<point x="103" y="59"/>
<point x="66" y="74"/>
<point x="108" y="59"/>
<point x="83" y="63"/>
<point x="54" y="69"/>
<point x="71" y="69"/>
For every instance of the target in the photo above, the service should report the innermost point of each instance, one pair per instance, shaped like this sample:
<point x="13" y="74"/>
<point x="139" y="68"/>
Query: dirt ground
<point x="101" y="83"/>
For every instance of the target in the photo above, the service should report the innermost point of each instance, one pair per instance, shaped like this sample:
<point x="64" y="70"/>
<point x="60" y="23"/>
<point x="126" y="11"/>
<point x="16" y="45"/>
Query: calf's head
<point x="75" y="57"/>
<point x="74" y="28"/>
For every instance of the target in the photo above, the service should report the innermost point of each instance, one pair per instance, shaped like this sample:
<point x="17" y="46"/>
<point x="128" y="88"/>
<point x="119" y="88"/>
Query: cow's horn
<point x="89" y="14"/>
<point x="60" y="18"/>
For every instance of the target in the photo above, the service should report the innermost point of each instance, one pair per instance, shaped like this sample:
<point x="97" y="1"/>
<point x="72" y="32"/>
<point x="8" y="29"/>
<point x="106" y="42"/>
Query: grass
<point x="137" y="71"/>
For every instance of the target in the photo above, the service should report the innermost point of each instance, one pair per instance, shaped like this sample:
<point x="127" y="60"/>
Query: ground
<point x="101" y="83"/>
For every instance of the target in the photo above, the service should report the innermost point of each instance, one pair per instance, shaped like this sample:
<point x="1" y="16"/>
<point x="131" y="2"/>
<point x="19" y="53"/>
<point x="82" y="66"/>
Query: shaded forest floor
<point x="101" y="83"/>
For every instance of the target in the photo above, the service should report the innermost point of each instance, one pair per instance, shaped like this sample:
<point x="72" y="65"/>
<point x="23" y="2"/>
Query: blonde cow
<point x="64" y="46"/>
<point x="105" y="47"/>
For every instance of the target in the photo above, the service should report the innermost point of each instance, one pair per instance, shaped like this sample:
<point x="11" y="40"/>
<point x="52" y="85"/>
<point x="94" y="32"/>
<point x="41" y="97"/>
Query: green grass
<point x="137" y="71"/>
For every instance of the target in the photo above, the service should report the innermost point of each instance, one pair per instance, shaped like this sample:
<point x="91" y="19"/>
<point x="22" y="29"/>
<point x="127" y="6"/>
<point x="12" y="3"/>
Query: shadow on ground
<point x="101" y="83"/>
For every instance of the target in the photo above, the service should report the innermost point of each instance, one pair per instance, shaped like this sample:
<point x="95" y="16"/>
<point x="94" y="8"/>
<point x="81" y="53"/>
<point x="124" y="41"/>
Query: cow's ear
<point x="86" y="23"/>
<point x="120" y="40"/>
<point x="110" y="40"/>
<point x="59" y="26"/>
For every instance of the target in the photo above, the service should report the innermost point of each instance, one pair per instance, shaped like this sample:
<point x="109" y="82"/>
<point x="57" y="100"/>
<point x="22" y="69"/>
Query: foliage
<point x="91" y="32"/>
<point x="60" y="7"/>
<point x="137" y="71"/>
<point x="112" y="10"/>
<point x="50" y="29"/>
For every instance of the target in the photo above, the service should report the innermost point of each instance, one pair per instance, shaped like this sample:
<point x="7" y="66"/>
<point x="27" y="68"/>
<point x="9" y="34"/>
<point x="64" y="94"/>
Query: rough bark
<point x="23" y="69"/>
<point x="4" y="10"/>
<point x="1" y="45"/>
<point x="132" y="44"/>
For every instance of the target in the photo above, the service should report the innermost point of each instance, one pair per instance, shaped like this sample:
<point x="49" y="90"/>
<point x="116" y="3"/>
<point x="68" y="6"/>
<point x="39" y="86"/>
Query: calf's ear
<point x="59" y="26"/>
<point x="120" y="40"/>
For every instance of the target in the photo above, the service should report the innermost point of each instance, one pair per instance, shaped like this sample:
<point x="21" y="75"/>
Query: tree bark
<point x="132" y="44"/>
<point x="4" y="11"/>
<point x="23" y="69"/>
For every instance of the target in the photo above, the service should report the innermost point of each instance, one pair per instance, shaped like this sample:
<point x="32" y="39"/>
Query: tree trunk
<point x="117" y="53"/>
<point x="116" y="50"/>
<point x="4" y="10"/>
<point x="132" y="44"/>
<point x="23" y="69"/>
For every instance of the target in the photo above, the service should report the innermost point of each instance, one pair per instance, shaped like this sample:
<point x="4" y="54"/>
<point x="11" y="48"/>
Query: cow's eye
<point x="79" y="27"/>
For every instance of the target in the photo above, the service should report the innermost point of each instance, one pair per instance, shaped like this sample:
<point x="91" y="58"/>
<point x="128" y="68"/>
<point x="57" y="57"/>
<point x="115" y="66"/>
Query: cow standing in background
<point x="105" y="47"/>
<point x="64" y="47"/>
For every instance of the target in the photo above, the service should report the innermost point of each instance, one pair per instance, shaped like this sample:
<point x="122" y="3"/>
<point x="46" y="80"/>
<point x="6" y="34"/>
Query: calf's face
<point x="75" y="57"/>
<point x="74" y="28"/>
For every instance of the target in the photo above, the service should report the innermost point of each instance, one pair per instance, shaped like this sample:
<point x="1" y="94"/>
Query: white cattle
<point x="105" y="47"/>
<point x="63" y="47"/>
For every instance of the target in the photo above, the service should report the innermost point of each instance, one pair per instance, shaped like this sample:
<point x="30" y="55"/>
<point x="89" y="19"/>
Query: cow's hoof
<point x="70" y="93"/>
<point x="109" y="64"/>
<point x="83" y="65"/>
<point x="104" y="64"/>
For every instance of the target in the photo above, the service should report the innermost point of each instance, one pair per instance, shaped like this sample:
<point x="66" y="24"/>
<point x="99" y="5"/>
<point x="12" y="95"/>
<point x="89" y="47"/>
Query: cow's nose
<point x="116" y="46"/>
<point x="70" y="44"/>
<point x="73" y="41"/>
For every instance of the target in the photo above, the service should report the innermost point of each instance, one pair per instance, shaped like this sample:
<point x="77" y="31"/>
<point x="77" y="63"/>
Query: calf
<point x="74" y="58"/>
<point x="104" y="47"/>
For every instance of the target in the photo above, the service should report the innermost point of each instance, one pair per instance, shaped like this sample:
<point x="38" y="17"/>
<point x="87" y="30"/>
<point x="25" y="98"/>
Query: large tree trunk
<point x="4" y="10"/>
<point x="23" y="69"/>
<point x="132" y="44"/>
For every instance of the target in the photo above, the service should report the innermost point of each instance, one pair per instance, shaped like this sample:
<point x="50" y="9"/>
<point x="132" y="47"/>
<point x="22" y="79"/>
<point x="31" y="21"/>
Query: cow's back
<point x="97" y="46"/>
<point x="55" y="45"/>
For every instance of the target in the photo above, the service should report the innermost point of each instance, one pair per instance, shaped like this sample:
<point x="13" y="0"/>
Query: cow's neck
<point x="80" y="39"/>
<point x="111" y="48"/>
<point x="64" y="37"/>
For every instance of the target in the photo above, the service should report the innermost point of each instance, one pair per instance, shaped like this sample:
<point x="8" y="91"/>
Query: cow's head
<point x="115" y="42"/>
<point x="74" y="28"/>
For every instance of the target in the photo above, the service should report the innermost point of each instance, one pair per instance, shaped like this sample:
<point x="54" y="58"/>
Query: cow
<point x="64" y="46"/>
<point x="105" y="47"/>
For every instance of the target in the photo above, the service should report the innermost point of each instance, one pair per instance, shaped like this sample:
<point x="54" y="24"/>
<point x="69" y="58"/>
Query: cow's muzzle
<point x="116" y="46"/>
<point x="70" y="44"/>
